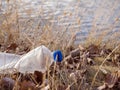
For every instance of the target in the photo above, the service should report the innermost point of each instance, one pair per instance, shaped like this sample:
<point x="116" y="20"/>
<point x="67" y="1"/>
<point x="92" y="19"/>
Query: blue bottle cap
<point x="57" y="55"/>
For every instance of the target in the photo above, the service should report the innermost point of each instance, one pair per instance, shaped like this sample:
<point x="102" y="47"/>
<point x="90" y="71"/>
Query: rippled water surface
<point x="79" y="15"/>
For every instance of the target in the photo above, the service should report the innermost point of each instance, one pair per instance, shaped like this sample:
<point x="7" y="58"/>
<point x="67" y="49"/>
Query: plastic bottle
<point x="38" y="59"/>
<point x="6" y="58"/>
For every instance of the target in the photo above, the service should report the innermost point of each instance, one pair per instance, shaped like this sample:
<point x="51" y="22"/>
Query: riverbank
<point x="86" y="32"/>
<point x="82" y="68"/>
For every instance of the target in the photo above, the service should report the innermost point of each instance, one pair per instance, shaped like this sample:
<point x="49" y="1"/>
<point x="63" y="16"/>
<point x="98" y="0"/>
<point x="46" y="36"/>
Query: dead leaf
<point x="7" y="83"/>
<point x="93" y="49"/>
<point x="111" y="80"/>
<point x="104" y="71"/>
<point x="116" y="59"/>
<point x="75" y="52"/>
<point x="61" y="87"/>
<point x="72" y="76"/>
<point x="90" y="61"/>
<point x="103" y="87"/>
<point x="12" y="46"/>
<point x="27" y="85"/>
<point x="38" y="77"/>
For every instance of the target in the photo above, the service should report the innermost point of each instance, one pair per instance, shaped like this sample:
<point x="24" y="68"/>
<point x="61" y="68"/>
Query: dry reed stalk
<point x="94" y="78"/>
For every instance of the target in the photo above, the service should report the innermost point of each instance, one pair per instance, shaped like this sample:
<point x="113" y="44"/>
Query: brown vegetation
<point x="93" y="64"/>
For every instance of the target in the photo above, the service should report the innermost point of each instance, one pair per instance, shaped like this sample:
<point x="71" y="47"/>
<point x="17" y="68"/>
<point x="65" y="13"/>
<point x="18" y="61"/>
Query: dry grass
<point x="31" y="32"/>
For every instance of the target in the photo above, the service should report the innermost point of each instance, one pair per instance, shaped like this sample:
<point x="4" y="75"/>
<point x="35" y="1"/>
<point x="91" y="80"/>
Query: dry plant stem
<point x="31" y="42"/>
<point x="102" y="65"/>
<point x="71" y="40"/>
<point x="71" y="84"/>
<point x="34" y="80"/>
<point x="53" y="80"/>
<point x="17" y="80"/>
<point x="63" y="78"/>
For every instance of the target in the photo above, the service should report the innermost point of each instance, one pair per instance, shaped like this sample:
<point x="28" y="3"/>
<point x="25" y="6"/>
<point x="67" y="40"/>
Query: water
<point x="82" y="15"/>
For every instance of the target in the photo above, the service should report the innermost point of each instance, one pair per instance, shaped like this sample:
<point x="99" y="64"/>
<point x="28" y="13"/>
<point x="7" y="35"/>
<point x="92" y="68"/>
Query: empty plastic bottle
<point x="38" y="59"/>
<point x="6" y="58"/>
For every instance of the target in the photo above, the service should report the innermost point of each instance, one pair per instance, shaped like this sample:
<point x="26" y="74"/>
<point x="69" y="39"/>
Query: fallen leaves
<point x="19" y="81"/>
<point x="112" y="81"/>
<point x="27" y="85"/>
<point x="74" y="73"/>
<point x="75" y="53"/>
<point x="7" y="83"/>
<point x="38" y="77"/>
<point x="93" y="49"/>
<point x="12" y="46"/>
